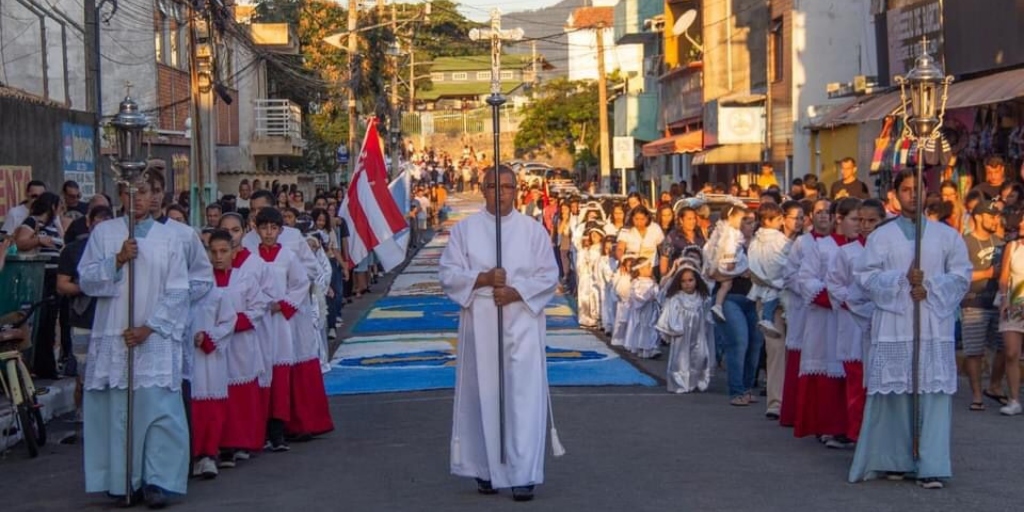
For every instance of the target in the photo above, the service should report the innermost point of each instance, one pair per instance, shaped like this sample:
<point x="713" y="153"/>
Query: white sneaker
<point x="206" y="468"/>
<point x="1011" y="409"/>
<point x="768" y="328"/>
<point x="717" y="311"/>
<point x="242" y="455"/>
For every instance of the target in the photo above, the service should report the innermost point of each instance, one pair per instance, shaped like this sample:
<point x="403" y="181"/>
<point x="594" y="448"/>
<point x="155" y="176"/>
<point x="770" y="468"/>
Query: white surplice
<point x="531" y="269"/>
<point x="947" y="272"/>
<point x="818" y="355"/>
<point x="607" y="268"/>
<point x="245" y="290"/>
<point x="796" y="308"/>
<point x="215" y="315"/>
<point x="285" y="283"/>
<point x="200" y="280"/>
<point x="855" y="307"/>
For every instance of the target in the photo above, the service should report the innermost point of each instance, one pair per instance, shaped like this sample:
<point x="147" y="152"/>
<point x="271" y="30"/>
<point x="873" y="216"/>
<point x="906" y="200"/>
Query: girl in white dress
<point x="685" y="324"/>
<point x="641" y="336"/>
<point x="607" y="266"/>
<point x="588" y="293"/>
<point x="622" y="284"/>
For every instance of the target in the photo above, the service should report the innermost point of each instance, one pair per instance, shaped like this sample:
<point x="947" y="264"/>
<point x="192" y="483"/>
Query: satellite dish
<point x="684" y="22"/>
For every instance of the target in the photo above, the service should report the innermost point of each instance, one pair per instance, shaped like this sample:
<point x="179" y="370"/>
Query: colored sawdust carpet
<point x="433" y="313"/>
<point x="417" y="362"/>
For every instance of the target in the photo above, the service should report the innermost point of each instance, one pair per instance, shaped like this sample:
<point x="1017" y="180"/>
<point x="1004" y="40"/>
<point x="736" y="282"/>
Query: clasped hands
<point x="503" y="294"/>
<point x="916" y="279"/>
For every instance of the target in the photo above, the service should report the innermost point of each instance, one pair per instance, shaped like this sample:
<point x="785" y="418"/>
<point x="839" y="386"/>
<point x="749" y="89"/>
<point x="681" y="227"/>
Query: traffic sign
<point x="623" y="153"/>
<point x="341" y="154"/>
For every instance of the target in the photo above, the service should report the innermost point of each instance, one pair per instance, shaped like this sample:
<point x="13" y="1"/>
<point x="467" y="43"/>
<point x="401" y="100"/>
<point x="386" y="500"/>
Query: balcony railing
<point x="278" y="129"/>
<point x="278" y="118"/>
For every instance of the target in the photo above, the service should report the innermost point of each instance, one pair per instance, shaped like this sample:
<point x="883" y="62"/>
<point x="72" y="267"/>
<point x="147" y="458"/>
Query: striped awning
<point x="689" y="142"/>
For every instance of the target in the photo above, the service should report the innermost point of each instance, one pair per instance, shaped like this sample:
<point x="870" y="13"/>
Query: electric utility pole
<point x="602" y="99"/>
<point x="202" y="173"/>
<point x="353" y="117"/>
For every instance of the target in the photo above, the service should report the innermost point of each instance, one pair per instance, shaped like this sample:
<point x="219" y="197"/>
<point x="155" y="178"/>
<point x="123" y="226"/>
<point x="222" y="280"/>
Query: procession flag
<point x="369" y="209"/>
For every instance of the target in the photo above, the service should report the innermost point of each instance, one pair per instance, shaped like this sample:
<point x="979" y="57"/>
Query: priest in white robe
<point x="522" y="287"/>
<point x="160" y="433"/>
<point x="886" y="437"/>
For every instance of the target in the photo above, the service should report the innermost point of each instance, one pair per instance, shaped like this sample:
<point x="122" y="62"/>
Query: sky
<point x="478" y="10"/>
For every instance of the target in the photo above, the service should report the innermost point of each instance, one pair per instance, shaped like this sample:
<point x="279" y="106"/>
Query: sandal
<point x="976" y="406"/>
<point x="1002" y="399"/>
<point x="739" y="401"/>
<point x="751" y="399"/>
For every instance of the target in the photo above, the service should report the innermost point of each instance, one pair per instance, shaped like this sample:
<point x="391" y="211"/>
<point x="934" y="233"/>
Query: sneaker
<point x="768" y="328"/>
<point x="1011" y="409"/>
<point x="485" y="487"/>
<point x="824" y="439"/>
<point x="931" y="483"/>
<point x="206" y="468"/>
<point x="227" y="461"/>
<point x="772" y="415"/>
<point x="155" y="497"/>
<point x="894" y="476"/>
<point x="839" y="443"/>
<point x="242" y="455"/>
<point x="524" y="493"/>
<point x="717" y="311"/>
<point x="277" y="447"/>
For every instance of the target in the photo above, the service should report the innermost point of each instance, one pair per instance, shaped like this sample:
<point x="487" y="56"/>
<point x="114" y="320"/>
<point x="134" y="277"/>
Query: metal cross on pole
<point x="496" y="100"/>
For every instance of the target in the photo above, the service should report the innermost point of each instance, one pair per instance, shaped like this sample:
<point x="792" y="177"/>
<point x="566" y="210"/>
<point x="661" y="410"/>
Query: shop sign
<point x="733" y="125"/>
<point x="906" y="26"/>
<point x="77" y="159"/>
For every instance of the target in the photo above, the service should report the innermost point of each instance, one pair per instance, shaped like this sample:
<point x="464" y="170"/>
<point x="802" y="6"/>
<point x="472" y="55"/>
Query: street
<point x="630" y="448"/>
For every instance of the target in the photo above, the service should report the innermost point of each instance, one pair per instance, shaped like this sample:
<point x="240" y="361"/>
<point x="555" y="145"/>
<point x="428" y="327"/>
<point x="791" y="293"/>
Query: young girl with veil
<point x="686" y="325"/>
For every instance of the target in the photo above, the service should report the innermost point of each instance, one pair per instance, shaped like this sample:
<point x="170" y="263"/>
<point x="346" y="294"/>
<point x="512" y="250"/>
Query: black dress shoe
<point x="156" y="498"/>
<point x="484" y="487"/>
<point x="524" y="493"/>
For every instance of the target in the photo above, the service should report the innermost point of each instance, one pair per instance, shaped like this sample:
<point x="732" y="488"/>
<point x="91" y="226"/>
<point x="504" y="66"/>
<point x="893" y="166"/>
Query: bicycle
<point x="15" y="379"/>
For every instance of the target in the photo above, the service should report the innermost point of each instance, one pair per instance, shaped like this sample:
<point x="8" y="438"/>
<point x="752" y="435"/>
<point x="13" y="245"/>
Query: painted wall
<point x="627" y="58"/>
<point x="832" y="41"/>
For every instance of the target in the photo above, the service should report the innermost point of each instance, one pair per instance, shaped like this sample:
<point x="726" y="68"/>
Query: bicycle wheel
<point x="26" y="421"/>
<point x="32" y="427"/>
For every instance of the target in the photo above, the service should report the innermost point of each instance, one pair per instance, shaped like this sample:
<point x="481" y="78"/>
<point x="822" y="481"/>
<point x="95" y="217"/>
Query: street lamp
<point x="129" y="125"/>
<point x="923" y="117"/>
<point x="394" y="52"/>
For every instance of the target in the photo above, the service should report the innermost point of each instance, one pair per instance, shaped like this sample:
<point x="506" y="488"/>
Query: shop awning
<point x="860" y="110"/>
<point x="986" y="90"/>
<point x="689" y="142"/>
<point x="729" y="154"/>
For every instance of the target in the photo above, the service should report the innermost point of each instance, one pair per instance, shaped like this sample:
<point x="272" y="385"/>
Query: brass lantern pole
<point x="922" y="118"/>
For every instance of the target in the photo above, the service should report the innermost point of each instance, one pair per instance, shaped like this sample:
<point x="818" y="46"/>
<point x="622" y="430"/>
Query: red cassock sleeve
<point x="242" y="323"/>
<point x="822" y="300"/>
<point x="207" y="345"/>
<point x="287" y="310"/>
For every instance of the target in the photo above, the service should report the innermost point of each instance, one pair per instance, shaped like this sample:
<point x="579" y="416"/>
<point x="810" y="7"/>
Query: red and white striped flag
<point x="369" y="209"/>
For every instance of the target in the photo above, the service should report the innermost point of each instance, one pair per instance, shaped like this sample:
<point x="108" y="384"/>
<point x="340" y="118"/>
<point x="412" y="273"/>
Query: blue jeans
<point x="334" y="305"/>
<point x="768" y="309"/>
<point x="742" y="342"/>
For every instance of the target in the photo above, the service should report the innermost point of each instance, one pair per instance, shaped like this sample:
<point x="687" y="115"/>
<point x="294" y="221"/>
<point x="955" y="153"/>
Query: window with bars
<point x="483" y="75"/>
<point x="437" y="77"/>
<point x="460" y="76"/>
<point x="508" y="75"/>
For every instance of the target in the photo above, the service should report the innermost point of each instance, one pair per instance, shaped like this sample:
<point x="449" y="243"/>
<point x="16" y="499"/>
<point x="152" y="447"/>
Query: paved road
<point x="630" y="449"/>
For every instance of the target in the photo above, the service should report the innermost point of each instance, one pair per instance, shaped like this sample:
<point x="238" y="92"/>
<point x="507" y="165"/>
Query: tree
<point x="564" y="115"/>
<point x="318" y="80"/>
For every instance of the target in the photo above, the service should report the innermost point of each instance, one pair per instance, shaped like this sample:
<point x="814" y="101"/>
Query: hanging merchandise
<point x="881" y="145"/>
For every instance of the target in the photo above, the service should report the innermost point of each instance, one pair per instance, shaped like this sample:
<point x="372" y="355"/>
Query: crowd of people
<point x="817" y="289"/>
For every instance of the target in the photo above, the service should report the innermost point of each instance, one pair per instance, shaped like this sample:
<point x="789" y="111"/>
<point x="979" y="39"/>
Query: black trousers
<point x="44" y="364"/>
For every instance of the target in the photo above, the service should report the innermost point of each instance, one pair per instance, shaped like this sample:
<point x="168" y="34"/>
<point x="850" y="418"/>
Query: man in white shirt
<point x="244" y="192"/>
<point x="17" y="215"/>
